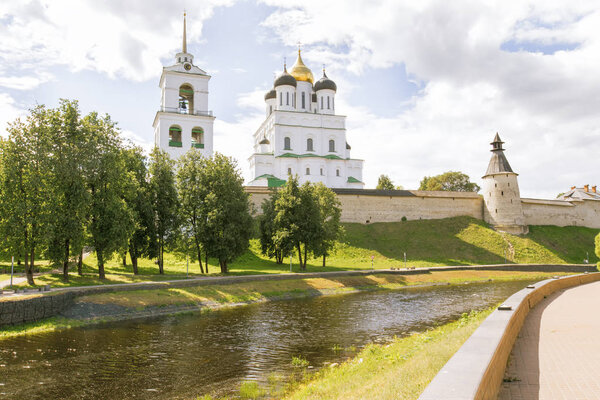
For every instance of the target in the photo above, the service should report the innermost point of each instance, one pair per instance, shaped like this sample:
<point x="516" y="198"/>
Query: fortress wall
<point x="562" y="213"/>
<point x="366" y="206"/>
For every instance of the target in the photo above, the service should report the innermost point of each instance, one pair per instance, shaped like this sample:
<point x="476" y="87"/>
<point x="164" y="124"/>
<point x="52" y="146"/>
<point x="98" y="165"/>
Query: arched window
<point x="333" y="103"/>
<point x="175" y="136"/>
<point x="321" y="171"/>
<point x="287" y="98"/>
<point x="280" y="98"/>
<point x="328" y="102"/>
<point x="270" y="110"/>
<point x="198" y="137"/>
<point x="309" y="145"/>
<point x="303" y="100"/>
<point x="321" y="102"/>
<point x="289" y="171"/>
<point x="186" y="99"/>
<point x="307" y="171"/>
<point x="332" y="145"/>
<point x="337" y="172"/>
<point x="287" y="143"/>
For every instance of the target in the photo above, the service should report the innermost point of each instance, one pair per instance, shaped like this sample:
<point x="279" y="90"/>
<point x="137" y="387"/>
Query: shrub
<point x="250" y="390"/>
<point x="299" y="362"/>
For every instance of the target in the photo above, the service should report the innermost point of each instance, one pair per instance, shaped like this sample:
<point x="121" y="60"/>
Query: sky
<point x="424" y="84"/>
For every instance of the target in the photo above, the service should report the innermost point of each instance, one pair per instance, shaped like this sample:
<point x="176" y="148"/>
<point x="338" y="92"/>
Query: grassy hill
<point x="451" y="241"/>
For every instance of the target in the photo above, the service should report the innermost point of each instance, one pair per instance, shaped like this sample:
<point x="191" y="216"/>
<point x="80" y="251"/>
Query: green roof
<point x="272" y="181"/>
<point x="292" y="155"/>
<point x="352" y="179"/>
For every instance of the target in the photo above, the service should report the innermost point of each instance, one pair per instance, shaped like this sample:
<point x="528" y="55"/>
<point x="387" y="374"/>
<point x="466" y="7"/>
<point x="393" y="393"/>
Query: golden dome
<point x="300" y="71"/>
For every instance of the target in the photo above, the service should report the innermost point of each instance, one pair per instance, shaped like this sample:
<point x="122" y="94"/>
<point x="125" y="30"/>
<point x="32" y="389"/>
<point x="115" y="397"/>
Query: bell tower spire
<point x="184" y="36"/>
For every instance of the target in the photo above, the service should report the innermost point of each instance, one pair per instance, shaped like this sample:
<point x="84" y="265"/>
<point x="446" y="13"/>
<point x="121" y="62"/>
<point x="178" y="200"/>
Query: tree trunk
<point x="125" y="260"/>
<point x="29" y="270"/>
<point x="66" y="262"/>
<point x="199" y="253"/>
<point x="223" y="265"/>
<point x="161" y="259"/>
<point x="206" y="261"/>
<point x="100" y="256"/>
<point x="324" y="256"/>
<point x="305" y="256"/>
<point x="299" y="254"/>
<point x="133" y="256"/>
<point x="80" y="263"/>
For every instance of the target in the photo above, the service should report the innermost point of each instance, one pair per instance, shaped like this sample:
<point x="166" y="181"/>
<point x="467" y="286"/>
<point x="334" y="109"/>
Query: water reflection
<point x="185" y="356"/>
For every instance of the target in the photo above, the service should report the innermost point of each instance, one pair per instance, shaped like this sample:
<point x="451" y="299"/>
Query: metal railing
<point x="179" y="110"/>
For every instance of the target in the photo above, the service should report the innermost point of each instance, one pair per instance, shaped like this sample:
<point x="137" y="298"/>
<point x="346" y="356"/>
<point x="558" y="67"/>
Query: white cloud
<point x="10" y="112"/>
<point x="544" y="105"/>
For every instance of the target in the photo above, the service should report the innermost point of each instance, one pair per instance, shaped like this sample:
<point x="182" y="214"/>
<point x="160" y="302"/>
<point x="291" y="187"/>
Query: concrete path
<point x="16" y="280"/>
<point x="557" y="353"/>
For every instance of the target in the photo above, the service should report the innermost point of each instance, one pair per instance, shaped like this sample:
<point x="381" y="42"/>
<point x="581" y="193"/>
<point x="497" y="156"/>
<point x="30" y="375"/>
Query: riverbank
<point x="114" y="306"/>
<point x="399" y="370"/>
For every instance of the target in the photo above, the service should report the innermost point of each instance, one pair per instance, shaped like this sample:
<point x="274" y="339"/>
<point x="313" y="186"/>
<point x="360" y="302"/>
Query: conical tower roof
<point x="498" y="163"/>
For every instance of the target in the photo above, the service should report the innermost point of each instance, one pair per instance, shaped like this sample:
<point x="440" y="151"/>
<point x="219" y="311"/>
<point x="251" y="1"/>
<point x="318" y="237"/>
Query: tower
<point x="302" y="135"/>
<point x="183" y="120"/>
<point x="502" y="201"/>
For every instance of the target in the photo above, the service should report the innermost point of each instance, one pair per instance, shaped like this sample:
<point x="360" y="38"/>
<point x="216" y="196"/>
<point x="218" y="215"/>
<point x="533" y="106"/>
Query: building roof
<point x="285" y="79"/>
<point x="325" y="83"/>
<point x="498" y="163"/>
<point x="584" y="193"/>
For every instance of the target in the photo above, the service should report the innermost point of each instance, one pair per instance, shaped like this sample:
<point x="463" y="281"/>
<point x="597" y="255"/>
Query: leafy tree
<point x="24" y="186"/>
<point x="111" y="223"/>
<point x="165" y="203"/>
<point x="139" y="204"/>
<point x="598" y="249"/>
<point x="272" y="244"/>
<point x="329" y="214"/>
<point x="67" y="195"/>
<point x="225" y="222"/>
<point x="193" y="195"/>
<point x="384" y="183"/>
<point x="453" y="181"/>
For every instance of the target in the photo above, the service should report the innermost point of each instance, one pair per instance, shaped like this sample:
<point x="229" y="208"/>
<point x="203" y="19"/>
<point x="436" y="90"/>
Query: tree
<point x="384" y="183"/>
<point x="598" y="249"/>
<point x="453" y="181"/>
<point x="225" y="221"/>
<point x="67" y="195"/>
<point x="329" y="213"/>
<point x="193" y="196"/>
<point x="24" y="185"/>
<point x="272" y="245"/>
<point x="110" y="220"/>
<point x="139" y="204"/>
<point x="165" y="203"/>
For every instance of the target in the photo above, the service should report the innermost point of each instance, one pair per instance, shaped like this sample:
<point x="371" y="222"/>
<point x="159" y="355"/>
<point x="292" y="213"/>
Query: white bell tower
<point x="183" y="120"/>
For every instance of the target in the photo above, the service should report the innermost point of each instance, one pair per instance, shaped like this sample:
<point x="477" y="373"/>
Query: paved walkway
<point x="557" y="353"/>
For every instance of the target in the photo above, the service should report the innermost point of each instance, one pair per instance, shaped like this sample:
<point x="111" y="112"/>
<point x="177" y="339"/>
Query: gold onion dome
<point x="300" y="71"/>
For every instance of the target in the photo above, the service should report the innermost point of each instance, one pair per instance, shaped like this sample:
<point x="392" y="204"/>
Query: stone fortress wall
<point x="368" y="206"/>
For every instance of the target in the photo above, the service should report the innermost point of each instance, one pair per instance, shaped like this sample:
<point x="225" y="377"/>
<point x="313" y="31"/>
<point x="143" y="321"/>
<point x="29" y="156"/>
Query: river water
<point x="181" y="357"/>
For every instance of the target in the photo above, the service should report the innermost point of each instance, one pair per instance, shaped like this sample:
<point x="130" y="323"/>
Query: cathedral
<point x="302" y="135"/>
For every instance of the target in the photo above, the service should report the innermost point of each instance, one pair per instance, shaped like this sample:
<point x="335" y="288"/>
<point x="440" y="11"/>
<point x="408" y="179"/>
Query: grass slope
<point x="451" y="241"/>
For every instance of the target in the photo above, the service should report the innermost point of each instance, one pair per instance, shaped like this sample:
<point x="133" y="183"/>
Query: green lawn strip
<point x="399" y="370"/>
<point x="44" y="326"/>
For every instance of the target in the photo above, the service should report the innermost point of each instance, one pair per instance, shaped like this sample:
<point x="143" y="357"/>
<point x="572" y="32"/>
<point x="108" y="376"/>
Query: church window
<point x="333" y="103"/>
<point x="175" y="136"/>
<point x="321" y="102"/>
<point x="294" y="100"/>
<point x="289" y="171"/>
<point x="198" y="137"/>
<point x="287" y="98"/>
<point x="332" y="145"/>
<point x="328" y="102"/>
<point x="502" y="193"/>
<point x="321" y="171"/>
<point x="287" y="143"/>
<point x="337" y="172"/>
<point x="270" y="110"/>
<point x="186" y="99"/>
<point x="303" y="100"/>
<point x="309" y="145"/>
<point x="280" y="98"/>
<point x="307" y="171"/>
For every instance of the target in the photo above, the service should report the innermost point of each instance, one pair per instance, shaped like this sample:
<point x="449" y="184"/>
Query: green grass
<point x="399" y="370"/>
<point x="451" y="241"/>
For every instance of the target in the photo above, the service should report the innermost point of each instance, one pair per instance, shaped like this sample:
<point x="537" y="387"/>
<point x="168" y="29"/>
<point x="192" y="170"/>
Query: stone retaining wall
<point x="53" y="302"/>
<point x="15" y="312"/>
<point x="477" y="369"/>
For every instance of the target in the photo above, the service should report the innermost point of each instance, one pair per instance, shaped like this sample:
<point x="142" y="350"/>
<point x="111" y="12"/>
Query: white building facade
<point x="302" y="135"/>
<point x="183" y="120"/>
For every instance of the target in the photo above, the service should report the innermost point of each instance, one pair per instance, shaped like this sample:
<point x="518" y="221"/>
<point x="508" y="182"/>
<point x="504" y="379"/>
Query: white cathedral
<point x="301" y="134"/>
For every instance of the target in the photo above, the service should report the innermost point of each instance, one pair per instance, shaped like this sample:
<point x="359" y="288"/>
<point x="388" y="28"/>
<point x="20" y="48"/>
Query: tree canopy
<point x="453" y="181"/>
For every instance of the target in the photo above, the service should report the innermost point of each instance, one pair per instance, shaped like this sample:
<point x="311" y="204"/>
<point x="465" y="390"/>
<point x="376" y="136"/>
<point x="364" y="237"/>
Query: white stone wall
<point x="562" y="213"/>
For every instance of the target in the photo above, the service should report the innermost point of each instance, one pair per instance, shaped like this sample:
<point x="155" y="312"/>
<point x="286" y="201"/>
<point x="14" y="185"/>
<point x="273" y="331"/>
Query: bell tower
<point x="501" y="198"/>
<point x="183" y="120"/>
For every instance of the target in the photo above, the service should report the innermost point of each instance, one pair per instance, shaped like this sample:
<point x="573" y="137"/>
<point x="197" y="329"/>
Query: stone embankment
<point x="27" y="307"/>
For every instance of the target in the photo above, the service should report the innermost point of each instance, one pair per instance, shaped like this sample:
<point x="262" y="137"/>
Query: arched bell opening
<point x="175" y="136"/>
<point x="198" y="137"/>
<point x="186" y="99"/>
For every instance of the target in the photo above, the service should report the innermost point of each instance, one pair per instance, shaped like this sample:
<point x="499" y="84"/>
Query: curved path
<point x="557" y="353"/>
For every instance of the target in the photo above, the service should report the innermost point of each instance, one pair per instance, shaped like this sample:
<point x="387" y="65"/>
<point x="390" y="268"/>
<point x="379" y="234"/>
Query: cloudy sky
<point x="425" y="84"/>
